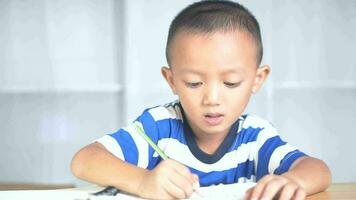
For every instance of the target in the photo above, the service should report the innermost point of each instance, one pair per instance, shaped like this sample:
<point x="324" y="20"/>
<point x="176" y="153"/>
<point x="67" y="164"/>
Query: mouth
<point x="213" y="119"/>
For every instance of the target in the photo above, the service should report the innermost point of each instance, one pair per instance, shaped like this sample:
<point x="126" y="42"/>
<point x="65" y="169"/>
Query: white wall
<point x="315" y="79"/>
<point x="71" y="71"/>
<point x="60" y="84"/>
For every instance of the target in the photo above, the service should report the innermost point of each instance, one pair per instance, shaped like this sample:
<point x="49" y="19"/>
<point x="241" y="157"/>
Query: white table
<point x="226" y="192"/>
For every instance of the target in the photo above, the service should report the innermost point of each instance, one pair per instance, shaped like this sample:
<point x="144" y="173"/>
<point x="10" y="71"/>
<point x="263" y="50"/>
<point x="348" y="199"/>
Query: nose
<point x="211" y="95"/>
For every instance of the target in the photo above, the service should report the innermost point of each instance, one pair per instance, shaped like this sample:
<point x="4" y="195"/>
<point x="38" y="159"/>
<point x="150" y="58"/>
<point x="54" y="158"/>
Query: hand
<point x="276" y="187"/>
<point x="168" y="180"/>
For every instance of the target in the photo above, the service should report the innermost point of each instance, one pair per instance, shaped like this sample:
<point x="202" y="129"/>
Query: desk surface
<point x="337" y="191"/>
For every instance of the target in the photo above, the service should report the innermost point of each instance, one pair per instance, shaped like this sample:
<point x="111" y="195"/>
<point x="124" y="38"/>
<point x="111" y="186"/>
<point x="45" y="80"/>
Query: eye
<point x="232" y="85"/>
<point x="193" y="84"/>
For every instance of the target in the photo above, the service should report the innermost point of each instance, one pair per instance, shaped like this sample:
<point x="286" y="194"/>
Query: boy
<point x="214" y="50"/>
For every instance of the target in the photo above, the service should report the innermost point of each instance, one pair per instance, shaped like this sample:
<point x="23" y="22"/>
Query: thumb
<point x="195" y="180"/>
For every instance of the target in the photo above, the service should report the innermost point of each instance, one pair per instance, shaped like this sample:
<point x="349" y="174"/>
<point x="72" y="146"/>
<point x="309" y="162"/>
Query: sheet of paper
<point x="44" y="195"/>
<point x="225" y="192"/>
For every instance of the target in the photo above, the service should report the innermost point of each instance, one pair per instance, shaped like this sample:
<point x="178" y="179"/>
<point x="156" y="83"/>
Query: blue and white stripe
<point x="257" y="150"/>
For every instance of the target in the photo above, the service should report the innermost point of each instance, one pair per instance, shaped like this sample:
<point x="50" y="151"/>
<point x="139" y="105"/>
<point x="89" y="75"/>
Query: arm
<point x="311" y="174"/>
<point x="169" y="179"/>
<point x="95" y="164"/>
<point x="306" y="176"/>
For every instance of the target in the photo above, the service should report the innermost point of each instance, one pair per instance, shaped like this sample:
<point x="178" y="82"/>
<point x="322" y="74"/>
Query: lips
<point x="213" y="119"/>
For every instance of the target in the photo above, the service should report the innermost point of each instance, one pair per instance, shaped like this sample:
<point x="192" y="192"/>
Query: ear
<point x="167" y="74"/>
<point x="261" y="75"/>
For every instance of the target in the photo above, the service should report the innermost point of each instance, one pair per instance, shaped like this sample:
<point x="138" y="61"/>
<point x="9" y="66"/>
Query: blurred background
<point x="74" y="70"/>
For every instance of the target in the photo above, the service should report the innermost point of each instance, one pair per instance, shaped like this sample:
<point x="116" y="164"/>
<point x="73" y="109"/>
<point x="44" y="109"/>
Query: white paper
<point x="226" y="192"/>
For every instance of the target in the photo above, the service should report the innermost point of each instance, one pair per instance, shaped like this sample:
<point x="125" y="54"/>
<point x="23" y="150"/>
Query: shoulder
<point x="255" y="128"/>
<point x="163" y="121"/>
<point x="254" y="121"/>
<point x="164" y="112"/>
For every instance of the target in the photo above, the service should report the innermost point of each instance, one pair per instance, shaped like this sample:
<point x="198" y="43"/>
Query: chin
<point x="215" y="130"/>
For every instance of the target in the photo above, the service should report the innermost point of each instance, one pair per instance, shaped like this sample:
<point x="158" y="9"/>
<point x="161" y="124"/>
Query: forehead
<point x="221" y="50"/>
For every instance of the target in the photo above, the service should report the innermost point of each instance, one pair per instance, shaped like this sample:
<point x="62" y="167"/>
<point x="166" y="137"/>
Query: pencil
<point x="150" y="142"/>
<point x="112" y="191"/>
<point x="160" y="152"/>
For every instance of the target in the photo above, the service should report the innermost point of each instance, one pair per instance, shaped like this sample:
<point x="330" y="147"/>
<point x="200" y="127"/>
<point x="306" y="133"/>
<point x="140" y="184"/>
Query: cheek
<point x="190" y="106"/>
<point x="187" y="93"/>
<point x="239" y="99"/>
<point x="189" y="98"/>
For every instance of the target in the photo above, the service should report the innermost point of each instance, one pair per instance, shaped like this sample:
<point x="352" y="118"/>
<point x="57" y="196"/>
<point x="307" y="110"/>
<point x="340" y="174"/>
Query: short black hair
<point x="210" y="16"/>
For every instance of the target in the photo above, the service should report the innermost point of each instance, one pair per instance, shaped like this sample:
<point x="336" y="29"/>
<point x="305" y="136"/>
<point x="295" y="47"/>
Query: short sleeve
<point x="273" y="155"/>
<point x="128" y="145"/>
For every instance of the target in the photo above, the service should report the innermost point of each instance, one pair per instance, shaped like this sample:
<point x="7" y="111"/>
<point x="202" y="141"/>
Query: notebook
<point x="226" y="192"/>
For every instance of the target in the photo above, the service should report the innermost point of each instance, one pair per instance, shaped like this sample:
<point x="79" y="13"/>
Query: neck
<point x="209" y="143"/>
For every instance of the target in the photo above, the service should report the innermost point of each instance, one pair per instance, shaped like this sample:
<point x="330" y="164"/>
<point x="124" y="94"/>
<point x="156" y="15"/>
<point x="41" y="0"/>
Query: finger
<point x="256" y="191"/>
<point x="272" y="188"/>
<point x="265" y="179"/>
<point x="174" y="191"/>
<point x="248" y="194"/>
<point x="196" y="184"/>
<point x="195" y="179"/>
<point x="288" y="191"/>
<point x="183" y="170"/>
<point x="300" y="194"/>
<point x="186" y="173"/>
<point x="180" y="177"/>
<point x="182" y="183"/>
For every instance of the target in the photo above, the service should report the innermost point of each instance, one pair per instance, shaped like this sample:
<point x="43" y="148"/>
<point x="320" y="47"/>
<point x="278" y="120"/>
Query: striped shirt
<point x="251" y="149"/>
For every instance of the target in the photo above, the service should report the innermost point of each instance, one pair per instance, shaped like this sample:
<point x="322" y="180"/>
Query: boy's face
<point x="214" y="76"/>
